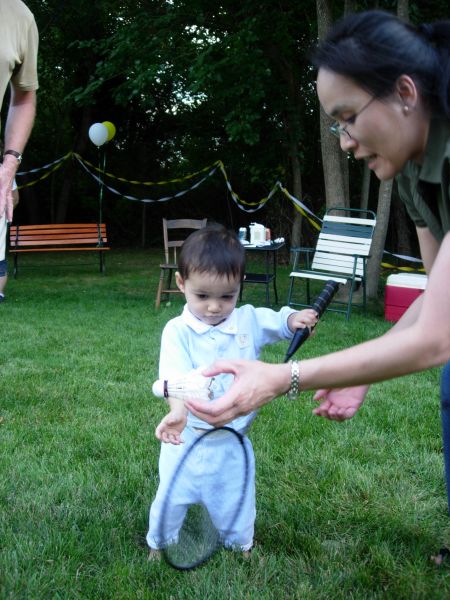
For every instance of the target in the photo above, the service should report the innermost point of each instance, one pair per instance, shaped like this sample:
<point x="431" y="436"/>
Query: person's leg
<point x="3" y="266"/>
<point x="180" y="499"/>
<point x="445" y="418"/>
<point x="3" y="279"/>
<point x="444" y="553"/>
<point x="223" y="491"/>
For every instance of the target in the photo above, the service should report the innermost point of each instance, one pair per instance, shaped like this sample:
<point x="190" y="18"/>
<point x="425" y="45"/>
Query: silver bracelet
<point x="294" y="390"/>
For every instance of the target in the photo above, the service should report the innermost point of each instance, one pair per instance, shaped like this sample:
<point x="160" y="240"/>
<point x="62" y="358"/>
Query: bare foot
<point x="154" y="554"/>
<point x="442" y="556"/>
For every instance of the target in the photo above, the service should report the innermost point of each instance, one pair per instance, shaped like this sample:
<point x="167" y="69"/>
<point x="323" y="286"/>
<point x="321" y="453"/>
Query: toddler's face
<point x="210" y="298"/>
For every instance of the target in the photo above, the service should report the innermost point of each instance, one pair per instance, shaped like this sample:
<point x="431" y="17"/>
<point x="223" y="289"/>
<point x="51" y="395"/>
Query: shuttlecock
<point x="192" y="386"/>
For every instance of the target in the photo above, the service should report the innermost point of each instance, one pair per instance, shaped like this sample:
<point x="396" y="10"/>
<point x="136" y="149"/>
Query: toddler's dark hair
<point x="213" y="249"/>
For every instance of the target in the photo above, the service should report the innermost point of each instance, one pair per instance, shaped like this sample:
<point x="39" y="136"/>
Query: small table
<point x="270" y="274"/>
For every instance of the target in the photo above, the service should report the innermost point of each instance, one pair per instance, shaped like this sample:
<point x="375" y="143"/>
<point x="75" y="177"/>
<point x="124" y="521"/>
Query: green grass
<point x="350" y="510"/>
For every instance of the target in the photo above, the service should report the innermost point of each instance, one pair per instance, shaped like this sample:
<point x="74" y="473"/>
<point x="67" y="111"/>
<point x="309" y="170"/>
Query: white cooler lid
<point x="408" y="280"/>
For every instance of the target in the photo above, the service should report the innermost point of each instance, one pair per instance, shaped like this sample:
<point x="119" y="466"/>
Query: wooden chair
<point x="179" y="229"/>
<point x="341" y="254"/>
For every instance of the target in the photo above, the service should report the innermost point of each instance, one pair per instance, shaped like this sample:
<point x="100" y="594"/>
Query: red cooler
<point x="401" y="291"/>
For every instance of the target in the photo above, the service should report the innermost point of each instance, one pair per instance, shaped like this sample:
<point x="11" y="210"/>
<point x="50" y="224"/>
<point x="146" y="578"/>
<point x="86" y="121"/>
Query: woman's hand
<point x="340" y="404"/>
<point x="255" y="384"/>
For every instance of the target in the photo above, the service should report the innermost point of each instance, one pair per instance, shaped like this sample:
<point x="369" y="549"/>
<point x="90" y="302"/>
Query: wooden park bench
<point x="78" y="237"/>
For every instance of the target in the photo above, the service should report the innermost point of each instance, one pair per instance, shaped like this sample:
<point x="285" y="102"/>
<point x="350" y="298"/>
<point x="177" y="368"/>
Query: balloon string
<point x="100" y="198"/>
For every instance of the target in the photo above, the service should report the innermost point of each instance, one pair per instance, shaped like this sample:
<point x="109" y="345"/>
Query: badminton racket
<point x="191" y="532"/>
<point x="319" y="305"/>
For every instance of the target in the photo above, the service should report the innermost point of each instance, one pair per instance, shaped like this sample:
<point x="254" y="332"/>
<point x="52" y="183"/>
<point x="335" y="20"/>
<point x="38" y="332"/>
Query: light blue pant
<point x="213" y="477"/>
<point x="445" y="418"/>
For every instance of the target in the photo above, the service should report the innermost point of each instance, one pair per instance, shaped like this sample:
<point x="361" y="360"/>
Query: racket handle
<point x="325" y="297"/>
<point x="319" y="305"/>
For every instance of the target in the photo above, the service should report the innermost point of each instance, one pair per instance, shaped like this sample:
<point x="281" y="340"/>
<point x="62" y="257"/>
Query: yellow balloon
<point x="111" y="130"/>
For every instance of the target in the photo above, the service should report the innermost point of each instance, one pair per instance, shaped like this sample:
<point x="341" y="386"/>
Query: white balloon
<point x="98" y="134"/>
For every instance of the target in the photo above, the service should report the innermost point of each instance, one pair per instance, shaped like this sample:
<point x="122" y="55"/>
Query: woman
<point x="387" y="84"/>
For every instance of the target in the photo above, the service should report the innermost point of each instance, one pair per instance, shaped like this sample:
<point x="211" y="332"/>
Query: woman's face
<point x="382" y="132"/>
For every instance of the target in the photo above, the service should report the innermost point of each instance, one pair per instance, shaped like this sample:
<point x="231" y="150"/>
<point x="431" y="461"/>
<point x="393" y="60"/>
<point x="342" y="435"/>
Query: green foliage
<point x="214" y="80"/>
<point x="186" y="83"/>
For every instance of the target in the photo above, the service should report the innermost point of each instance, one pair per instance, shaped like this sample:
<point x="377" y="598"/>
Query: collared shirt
<point x="187" y="343"/>
<point x="424" y="188"/>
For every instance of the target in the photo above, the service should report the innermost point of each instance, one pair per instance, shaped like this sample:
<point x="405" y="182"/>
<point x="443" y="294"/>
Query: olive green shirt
<point x="425" y="188"/>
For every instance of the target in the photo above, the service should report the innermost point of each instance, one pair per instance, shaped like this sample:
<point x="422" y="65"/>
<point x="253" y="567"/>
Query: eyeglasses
<point x="338" y="130"/>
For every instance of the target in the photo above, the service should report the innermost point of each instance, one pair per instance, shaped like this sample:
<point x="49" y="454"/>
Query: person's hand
<point x="9" y="207"/>
<point x="255" y="384"/>
<point x="6" y="196"/>
<point x="340" y="404"/>
<point x="302" y="318"/>
<point x="170" y="429"/>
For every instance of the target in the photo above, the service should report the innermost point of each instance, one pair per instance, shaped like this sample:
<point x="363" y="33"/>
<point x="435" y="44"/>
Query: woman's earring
<point x="405" y="109"/>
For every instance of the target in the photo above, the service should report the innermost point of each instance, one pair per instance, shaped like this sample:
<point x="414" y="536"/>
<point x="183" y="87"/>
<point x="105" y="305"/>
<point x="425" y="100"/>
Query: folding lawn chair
<point x="341" y="255"/>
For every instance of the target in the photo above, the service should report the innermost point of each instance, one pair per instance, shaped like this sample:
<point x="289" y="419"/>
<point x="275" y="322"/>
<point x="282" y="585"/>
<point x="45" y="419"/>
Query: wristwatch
<point x="18" y="155"/>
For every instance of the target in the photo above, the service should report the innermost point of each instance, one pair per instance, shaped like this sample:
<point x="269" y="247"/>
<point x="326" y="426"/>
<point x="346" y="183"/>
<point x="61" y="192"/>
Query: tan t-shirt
<point x="18" y="47"/>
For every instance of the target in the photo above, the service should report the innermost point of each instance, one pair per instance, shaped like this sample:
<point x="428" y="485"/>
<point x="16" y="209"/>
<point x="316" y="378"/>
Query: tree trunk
<point x="291" y="127"/>
<point x="403" y="9"/>
<point x="402" y="231"/>
<point x="296" y="234"/>
<point x="335" y="164"/>
<point x="69" y="170"/>
<point x="30" y="203"/>
<point x="365" y="189"/>
<point x="349" y="6"/>
<point x="379" y="238"/>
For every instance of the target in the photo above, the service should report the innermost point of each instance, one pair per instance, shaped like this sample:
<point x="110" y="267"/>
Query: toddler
<point x="210" y="272"/>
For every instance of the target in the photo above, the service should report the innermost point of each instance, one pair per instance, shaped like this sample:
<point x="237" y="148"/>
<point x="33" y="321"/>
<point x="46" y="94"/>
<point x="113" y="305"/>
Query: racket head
<point x="196" y="537"/>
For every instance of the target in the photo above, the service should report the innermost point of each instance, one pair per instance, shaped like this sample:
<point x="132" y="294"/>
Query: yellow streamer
<point x="148" y="183"/>
<point x="30" y="183"/>
<point x="396" y="268"/>
<point x="235" y="196"/>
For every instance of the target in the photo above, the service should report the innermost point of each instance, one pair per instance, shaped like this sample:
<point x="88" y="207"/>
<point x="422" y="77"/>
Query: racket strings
<point x="200" y="533"/>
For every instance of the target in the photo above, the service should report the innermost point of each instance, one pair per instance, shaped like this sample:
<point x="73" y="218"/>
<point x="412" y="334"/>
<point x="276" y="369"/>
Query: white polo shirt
<point x="187" y="343"/>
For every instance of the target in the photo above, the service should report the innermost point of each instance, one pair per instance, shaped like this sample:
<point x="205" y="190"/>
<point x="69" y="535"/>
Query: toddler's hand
<point x="302" y="318"/>
<point x="170" y="429"/>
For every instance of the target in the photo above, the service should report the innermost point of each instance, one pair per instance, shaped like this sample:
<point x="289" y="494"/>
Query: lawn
<point x="350" y="510"/>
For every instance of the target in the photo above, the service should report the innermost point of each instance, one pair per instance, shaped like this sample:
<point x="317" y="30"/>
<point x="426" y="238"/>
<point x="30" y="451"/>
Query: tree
<point x="402" y="240"/>
<point x="383" y="211"/>
<point x="186" y="83"/>
<point x="229" y="82"/>
<point x="335" y="166"/>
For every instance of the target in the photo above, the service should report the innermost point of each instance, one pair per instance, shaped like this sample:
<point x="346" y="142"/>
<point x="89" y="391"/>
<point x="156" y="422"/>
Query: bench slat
<point x="42" y="229"/>
<point x="63" y="249"/>
<point x="63" y="226"/>
<point x="59" y="241"/>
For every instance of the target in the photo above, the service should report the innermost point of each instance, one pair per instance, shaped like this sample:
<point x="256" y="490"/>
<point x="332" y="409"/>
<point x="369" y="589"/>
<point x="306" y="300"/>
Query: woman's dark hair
<point x="373" y="48"/>
<point x="213" y="249"/>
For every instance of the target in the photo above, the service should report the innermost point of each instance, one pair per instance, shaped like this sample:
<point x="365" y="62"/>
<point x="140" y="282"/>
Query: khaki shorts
<point x="3" y="228"/>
